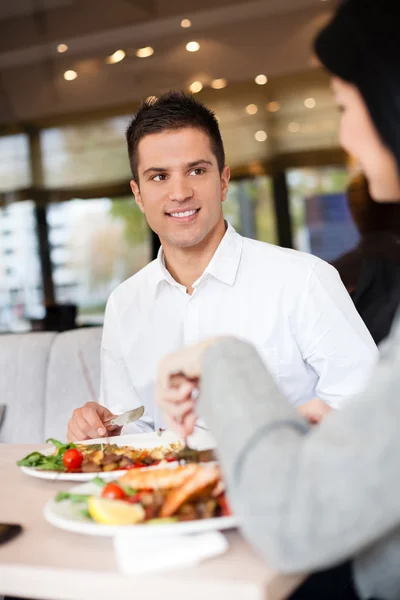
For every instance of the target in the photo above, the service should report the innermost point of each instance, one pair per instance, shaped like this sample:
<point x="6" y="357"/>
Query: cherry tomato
<point x="171" y="459"/>
<point x="72" y="459"/>
<point x="113" y="492"/>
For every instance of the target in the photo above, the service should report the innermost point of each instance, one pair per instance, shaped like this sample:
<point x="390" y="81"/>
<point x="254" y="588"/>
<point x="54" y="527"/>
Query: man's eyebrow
<point x="197" y="163"/>
<point x="154" y="170"/>
<point x="191" y="165"/>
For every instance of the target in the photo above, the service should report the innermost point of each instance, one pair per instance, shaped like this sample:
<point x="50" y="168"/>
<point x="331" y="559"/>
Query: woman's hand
<point x="314" y="411"/>
<point x="177" y="387"/>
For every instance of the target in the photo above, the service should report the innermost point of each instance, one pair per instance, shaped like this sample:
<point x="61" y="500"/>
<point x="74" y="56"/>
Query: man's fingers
<point x="75" y="434"/>
<point x="81" y="422"/>
<point x="96" y="425"/>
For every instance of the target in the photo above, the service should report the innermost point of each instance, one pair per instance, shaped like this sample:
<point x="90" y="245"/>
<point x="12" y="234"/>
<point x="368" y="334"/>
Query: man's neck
<point x="186" y="265"/>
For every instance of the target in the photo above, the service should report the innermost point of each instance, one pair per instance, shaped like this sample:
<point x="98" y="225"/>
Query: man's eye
<point x="161" y="177"/>
<point x="197" y="172"/>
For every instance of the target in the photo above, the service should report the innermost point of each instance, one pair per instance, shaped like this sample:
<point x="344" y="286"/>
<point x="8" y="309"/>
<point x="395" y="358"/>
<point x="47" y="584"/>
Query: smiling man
<point x="208" y="280"/>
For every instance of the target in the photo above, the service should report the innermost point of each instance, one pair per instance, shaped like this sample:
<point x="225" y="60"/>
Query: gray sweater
<point x="308" y="498"/>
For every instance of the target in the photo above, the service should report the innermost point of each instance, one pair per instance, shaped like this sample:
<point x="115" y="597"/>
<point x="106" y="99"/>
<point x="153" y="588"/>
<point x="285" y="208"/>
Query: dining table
<point x="46" y="562"/>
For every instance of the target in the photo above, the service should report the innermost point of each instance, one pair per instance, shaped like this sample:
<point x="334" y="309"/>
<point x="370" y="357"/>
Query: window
<point x="100" y="244"/>
<point x="14" y="163"/>
<point x="85" y="154"/>
<point x="20" y="278"/>
<point x="249" y="208"/>
<point x="321" y="219"/>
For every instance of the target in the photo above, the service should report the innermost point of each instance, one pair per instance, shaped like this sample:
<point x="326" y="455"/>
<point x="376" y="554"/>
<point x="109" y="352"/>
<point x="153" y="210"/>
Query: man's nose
<point x="180" y="189"/>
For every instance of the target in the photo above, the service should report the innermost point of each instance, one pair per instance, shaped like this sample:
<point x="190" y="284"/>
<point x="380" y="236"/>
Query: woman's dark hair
<point x="173" y="110"/>
<point x="361" y="45"/>
<point x="368" y="215"/>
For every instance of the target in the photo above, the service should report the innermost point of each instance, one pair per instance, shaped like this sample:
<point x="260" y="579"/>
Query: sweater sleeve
<point x="306" y="497"/>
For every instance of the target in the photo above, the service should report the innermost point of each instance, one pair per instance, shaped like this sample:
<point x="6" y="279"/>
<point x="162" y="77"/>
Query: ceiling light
<point x="70" y="75"/>
<point x="219" y="84"/>
<point x="294" y="127"/>
<point x="62" y="48"/>
<point x="310" y="102"/>
<point x="196" y="87"/>
<point x="185" y="23"/>
<point x="252" y="109"/>
<point x="193" y="46"/>
<point x="261" y="79"/>
<point x="145" y="52"/>
<point x="116" y="57"/>
<point x="261" y="136"/>
<point x="273" y="106"/>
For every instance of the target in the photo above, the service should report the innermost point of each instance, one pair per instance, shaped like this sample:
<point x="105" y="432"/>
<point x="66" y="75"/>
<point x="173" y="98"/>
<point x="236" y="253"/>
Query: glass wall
<point x="95" y="245"/>
<point x="86" y="154"/>
<point x="321" y="220"/>
<point x="249" y="208"/>
<point x="14" y="163"/>
<point x="20" y="277"/>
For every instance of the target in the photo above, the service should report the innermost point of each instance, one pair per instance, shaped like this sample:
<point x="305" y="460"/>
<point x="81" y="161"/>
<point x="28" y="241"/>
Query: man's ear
<point x="136" y="192"/>
<point x="225" y="177"/>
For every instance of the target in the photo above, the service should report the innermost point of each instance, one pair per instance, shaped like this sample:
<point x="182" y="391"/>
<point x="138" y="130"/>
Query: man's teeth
<point x="187" y="213"/>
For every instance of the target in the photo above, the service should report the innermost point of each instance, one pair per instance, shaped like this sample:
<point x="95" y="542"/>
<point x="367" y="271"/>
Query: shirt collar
<point x="223" y="265"/>
<point x="225" y="262"/>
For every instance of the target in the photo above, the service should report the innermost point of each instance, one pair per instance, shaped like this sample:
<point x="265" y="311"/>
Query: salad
<point x="95" y="458"/>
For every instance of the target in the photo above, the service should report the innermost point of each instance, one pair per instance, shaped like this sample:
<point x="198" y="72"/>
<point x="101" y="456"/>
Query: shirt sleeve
<point x="332" y="337"/>
<point x="117" y="392"/>
<point x="305" y="497"/>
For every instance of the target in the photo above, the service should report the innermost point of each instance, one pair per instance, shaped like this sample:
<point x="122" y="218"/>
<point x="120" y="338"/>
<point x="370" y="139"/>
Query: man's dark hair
<point x="173" y="110"/>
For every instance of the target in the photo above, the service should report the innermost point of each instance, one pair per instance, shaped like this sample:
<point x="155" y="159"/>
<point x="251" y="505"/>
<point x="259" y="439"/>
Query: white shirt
<point x="292" y="306"/>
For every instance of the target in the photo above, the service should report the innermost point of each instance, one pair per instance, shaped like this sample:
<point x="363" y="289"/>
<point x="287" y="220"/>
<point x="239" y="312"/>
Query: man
<point x="208" y="280"/>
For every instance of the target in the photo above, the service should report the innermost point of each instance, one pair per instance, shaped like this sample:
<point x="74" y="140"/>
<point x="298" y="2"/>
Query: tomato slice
<point x="112" y="491"/>
<point x="72" y="459"/>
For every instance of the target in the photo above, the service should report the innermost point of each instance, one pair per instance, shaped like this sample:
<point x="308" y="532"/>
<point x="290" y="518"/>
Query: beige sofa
<point x="42" y="380"/>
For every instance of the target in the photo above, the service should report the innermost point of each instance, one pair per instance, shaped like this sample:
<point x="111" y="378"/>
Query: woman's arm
<point x="306" y="498"/>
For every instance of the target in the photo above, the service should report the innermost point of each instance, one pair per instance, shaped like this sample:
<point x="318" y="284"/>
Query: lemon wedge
<point x="115" y="512"/>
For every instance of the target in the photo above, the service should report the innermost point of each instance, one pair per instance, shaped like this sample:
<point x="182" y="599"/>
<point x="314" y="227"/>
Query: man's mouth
<point x="182" y="214"/>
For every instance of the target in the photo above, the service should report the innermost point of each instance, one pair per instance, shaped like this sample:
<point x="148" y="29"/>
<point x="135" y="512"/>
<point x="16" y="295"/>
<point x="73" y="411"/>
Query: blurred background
<point x="72" y="73"/>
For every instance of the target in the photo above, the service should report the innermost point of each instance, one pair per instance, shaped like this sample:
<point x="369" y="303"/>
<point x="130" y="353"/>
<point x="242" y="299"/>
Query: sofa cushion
<point x="23" y="371"/>
<point x="67" y="387"/>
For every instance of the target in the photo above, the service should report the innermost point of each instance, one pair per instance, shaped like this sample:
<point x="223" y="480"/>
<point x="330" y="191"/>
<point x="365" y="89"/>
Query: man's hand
<point x="314" y="410"/>
<point x="89" y="421"/>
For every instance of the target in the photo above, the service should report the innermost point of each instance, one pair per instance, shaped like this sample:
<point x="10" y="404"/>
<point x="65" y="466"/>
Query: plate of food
<point x="187" y="499"/>
<point x="105" y="458"/>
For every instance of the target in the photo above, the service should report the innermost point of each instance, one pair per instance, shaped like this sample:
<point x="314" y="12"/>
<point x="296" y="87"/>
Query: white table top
<point x="45" y="562"/>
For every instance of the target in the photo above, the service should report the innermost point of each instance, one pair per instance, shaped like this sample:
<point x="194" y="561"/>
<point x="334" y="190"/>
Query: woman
<point x="371" y="271"/>
<point x="311" y="498"/>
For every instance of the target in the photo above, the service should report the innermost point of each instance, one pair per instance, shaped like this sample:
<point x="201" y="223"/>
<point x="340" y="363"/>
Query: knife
<point x="126" y="417"/>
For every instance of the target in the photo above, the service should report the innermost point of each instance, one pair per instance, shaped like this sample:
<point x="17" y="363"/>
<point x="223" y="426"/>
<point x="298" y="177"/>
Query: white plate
<point x="200" y="440"/>
<point x="66" y="515"/>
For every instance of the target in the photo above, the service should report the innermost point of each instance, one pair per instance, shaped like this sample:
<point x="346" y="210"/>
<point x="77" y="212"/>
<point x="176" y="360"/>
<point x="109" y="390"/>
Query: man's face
<point x="180" y="188"/>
